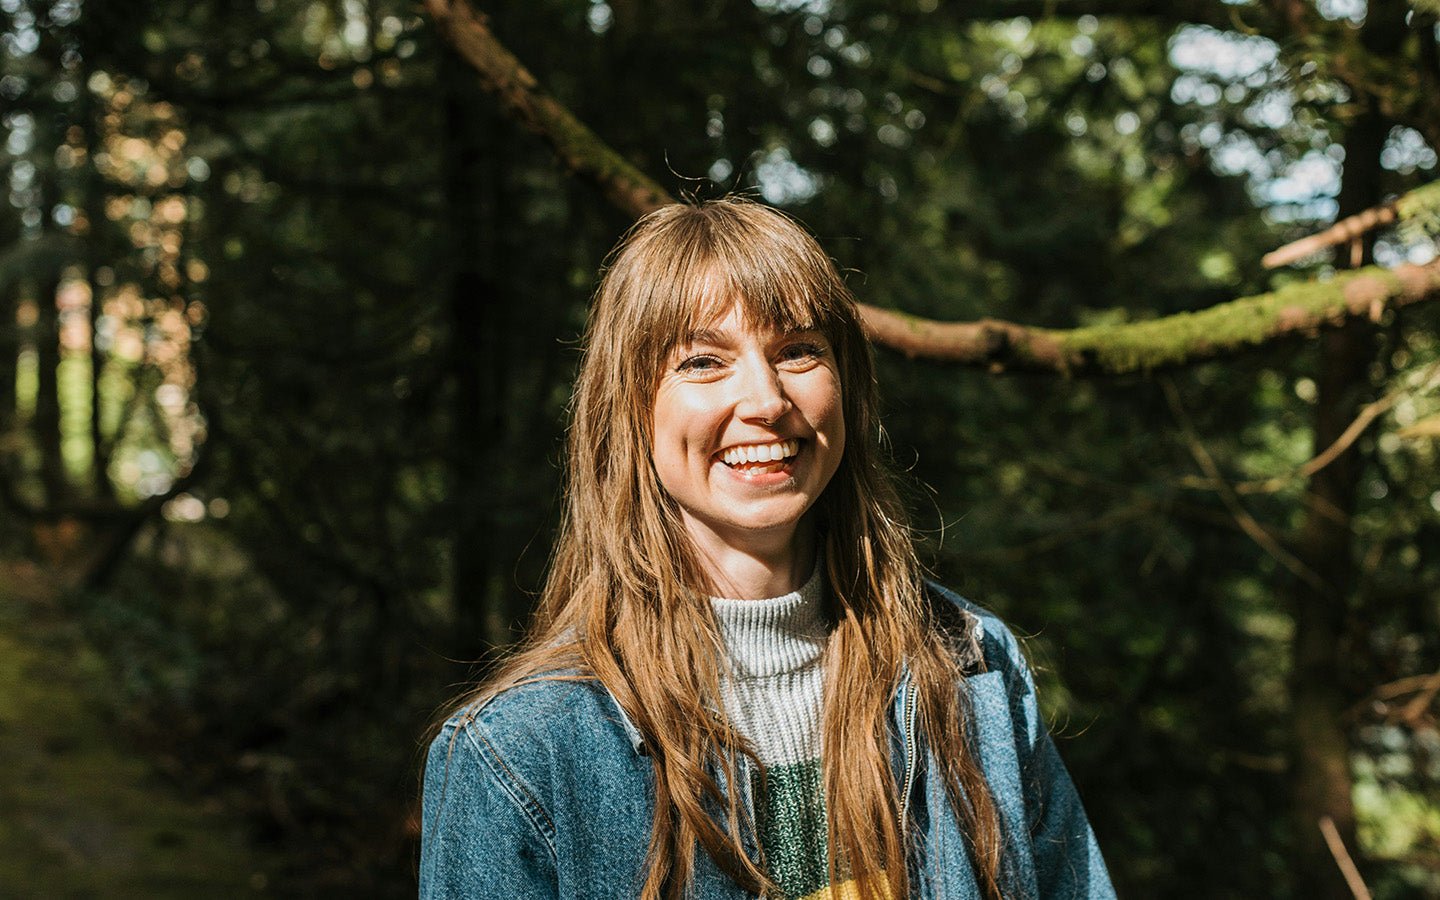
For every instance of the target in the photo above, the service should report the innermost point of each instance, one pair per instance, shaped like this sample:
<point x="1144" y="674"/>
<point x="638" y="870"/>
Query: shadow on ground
<point x="82" y="815"/>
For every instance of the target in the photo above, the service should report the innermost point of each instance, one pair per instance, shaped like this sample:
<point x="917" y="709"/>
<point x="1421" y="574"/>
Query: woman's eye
<point x="699" y="363"/>
<point x="802" y="351"/>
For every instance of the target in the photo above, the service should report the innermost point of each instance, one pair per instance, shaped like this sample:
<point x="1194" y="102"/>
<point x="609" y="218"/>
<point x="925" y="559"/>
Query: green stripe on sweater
<point x="791" y="816"/>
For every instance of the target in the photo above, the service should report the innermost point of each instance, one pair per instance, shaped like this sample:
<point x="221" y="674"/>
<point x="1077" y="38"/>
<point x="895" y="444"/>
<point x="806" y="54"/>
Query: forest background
<point x="290" y="294"/>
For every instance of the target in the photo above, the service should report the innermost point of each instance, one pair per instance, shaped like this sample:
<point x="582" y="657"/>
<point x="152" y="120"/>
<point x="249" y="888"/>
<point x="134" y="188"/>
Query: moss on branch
<point x="1235" y="326"/>
<point x="1181" y="339"/>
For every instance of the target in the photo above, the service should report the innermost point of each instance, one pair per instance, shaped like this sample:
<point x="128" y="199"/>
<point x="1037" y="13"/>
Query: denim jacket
<point x="545" y="792"/>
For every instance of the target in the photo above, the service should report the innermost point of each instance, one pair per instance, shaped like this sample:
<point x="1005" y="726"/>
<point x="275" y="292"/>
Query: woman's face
<point x="748" y="430"/>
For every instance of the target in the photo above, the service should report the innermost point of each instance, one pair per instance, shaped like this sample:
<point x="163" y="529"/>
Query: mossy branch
<point x="1168" y="342"/>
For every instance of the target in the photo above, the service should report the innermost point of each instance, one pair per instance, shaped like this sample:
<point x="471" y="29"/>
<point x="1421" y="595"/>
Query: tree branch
<point x="1243" y="518"/>
<point x="1357" y="427"/>
<point x="1342" y="859"/>
<point x="1342" y="232"/>
<point x="1172" y="341"/>
<point x="1419" y="204"/>
<point x="578" y="148"/>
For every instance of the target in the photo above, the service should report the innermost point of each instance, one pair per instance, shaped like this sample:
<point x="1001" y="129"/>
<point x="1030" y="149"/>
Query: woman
<point x="735" y="651"/>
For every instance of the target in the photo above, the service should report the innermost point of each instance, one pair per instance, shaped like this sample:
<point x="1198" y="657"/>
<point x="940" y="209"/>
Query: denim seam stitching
<point x="511" y="785"/>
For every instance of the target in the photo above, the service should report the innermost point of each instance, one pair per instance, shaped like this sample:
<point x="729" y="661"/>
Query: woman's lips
<point x="768" y="471"/>
<point x="745" y="457"/>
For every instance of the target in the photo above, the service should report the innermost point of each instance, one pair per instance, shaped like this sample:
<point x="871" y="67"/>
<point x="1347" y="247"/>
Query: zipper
<point x="907" y="713"/>
<point x="747" y="797"/>
<point x="749" y="827"/>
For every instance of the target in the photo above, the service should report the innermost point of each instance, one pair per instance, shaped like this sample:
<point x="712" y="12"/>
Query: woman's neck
<point x="756" y="569"/>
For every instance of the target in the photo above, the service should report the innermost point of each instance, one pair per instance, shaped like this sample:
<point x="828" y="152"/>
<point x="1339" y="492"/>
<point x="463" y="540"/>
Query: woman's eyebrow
<point x="702" y="336"/>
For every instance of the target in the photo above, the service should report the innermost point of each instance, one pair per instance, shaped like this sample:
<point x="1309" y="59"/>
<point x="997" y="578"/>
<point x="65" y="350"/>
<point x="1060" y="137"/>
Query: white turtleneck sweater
<point x="774" y="696"/>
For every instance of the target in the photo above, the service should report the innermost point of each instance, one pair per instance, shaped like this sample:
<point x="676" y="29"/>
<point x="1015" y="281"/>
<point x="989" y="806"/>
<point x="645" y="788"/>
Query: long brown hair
<point x="626" y="599"/>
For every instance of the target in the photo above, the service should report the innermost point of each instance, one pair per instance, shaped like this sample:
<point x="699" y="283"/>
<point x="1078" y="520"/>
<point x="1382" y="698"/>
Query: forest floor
<point x="83" y="814"/>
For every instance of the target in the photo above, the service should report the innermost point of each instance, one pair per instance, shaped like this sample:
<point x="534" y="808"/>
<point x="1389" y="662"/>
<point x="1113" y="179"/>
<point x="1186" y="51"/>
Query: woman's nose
<point x="762" y="395"/>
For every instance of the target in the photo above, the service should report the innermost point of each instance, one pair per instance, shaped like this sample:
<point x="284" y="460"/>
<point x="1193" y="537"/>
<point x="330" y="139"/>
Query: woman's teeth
<point x="760" y="453"/>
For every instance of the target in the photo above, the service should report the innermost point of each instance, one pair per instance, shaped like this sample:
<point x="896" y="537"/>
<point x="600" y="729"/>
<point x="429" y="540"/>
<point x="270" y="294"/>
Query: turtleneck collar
<point x="777" y="635"/>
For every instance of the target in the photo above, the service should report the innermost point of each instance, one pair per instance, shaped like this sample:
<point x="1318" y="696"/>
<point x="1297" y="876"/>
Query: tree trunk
<point x="94" y="202"/>
<point x="9" y="354"/>
<point x="46" y="424"/>
<point x="473" y="351"/>
<point x="1319" y="693"/>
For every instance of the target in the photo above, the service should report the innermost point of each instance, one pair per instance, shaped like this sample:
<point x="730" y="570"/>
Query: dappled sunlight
<point x="291" y="304"/>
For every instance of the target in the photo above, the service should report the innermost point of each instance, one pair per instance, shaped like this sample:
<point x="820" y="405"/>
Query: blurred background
<point x="289" y="309"/>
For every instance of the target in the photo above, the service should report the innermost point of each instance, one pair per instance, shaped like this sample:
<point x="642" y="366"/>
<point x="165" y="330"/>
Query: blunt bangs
<point x="695" y="263"/>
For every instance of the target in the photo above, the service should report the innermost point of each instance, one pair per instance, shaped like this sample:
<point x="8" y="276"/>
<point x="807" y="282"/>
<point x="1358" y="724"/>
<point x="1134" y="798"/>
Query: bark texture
<point x="1171" y="341"/>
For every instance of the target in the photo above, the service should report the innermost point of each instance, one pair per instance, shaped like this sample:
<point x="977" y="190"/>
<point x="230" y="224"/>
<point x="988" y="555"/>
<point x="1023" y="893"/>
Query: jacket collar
<point x="636" y="741"/>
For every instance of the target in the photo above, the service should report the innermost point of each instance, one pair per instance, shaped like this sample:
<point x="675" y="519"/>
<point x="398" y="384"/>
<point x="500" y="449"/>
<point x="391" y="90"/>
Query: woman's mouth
<point x="760" y="459"/>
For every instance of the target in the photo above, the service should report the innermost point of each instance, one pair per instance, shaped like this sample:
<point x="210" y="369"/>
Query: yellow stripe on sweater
<point x="849" y="889"/>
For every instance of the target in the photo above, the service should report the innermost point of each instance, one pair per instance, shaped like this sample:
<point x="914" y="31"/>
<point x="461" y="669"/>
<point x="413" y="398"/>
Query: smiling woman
<point x="748" y="431"/>
<point x="737" y="682"/>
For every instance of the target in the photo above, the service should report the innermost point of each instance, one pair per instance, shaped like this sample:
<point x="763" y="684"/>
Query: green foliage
<point x="1419" y="213"/>
<point x="391" y="278"/>
<point x="247" y="698"/>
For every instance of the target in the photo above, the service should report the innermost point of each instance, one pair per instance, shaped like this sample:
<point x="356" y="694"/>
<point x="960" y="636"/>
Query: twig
<point x="1345" y="231"/>
<point x="1247" y="523"/>
<point x="1382" y="700"/>
<point x="1195" y="512"/>
<point x="1047" y="542"/>
<point x="1342" y="859"/>
<point x="1421" y="701"/>
<point x="1363" y="420"/>
<point x="1348" y="230"/>
<point x="1393" y="689"/>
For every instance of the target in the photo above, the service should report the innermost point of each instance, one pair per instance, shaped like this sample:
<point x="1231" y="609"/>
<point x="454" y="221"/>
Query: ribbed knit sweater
<point x="774" y="696"/>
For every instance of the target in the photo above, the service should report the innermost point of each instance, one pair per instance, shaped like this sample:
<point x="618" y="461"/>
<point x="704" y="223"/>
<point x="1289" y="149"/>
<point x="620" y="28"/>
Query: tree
<point x="335" y="333"/>
<point x="1323" y="566"/>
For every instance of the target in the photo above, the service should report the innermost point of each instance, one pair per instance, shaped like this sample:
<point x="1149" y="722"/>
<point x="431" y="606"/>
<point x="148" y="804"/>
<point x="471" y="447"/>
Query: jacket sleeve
<point x="483" y="834"/>
<point x="1066" y="856"/>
